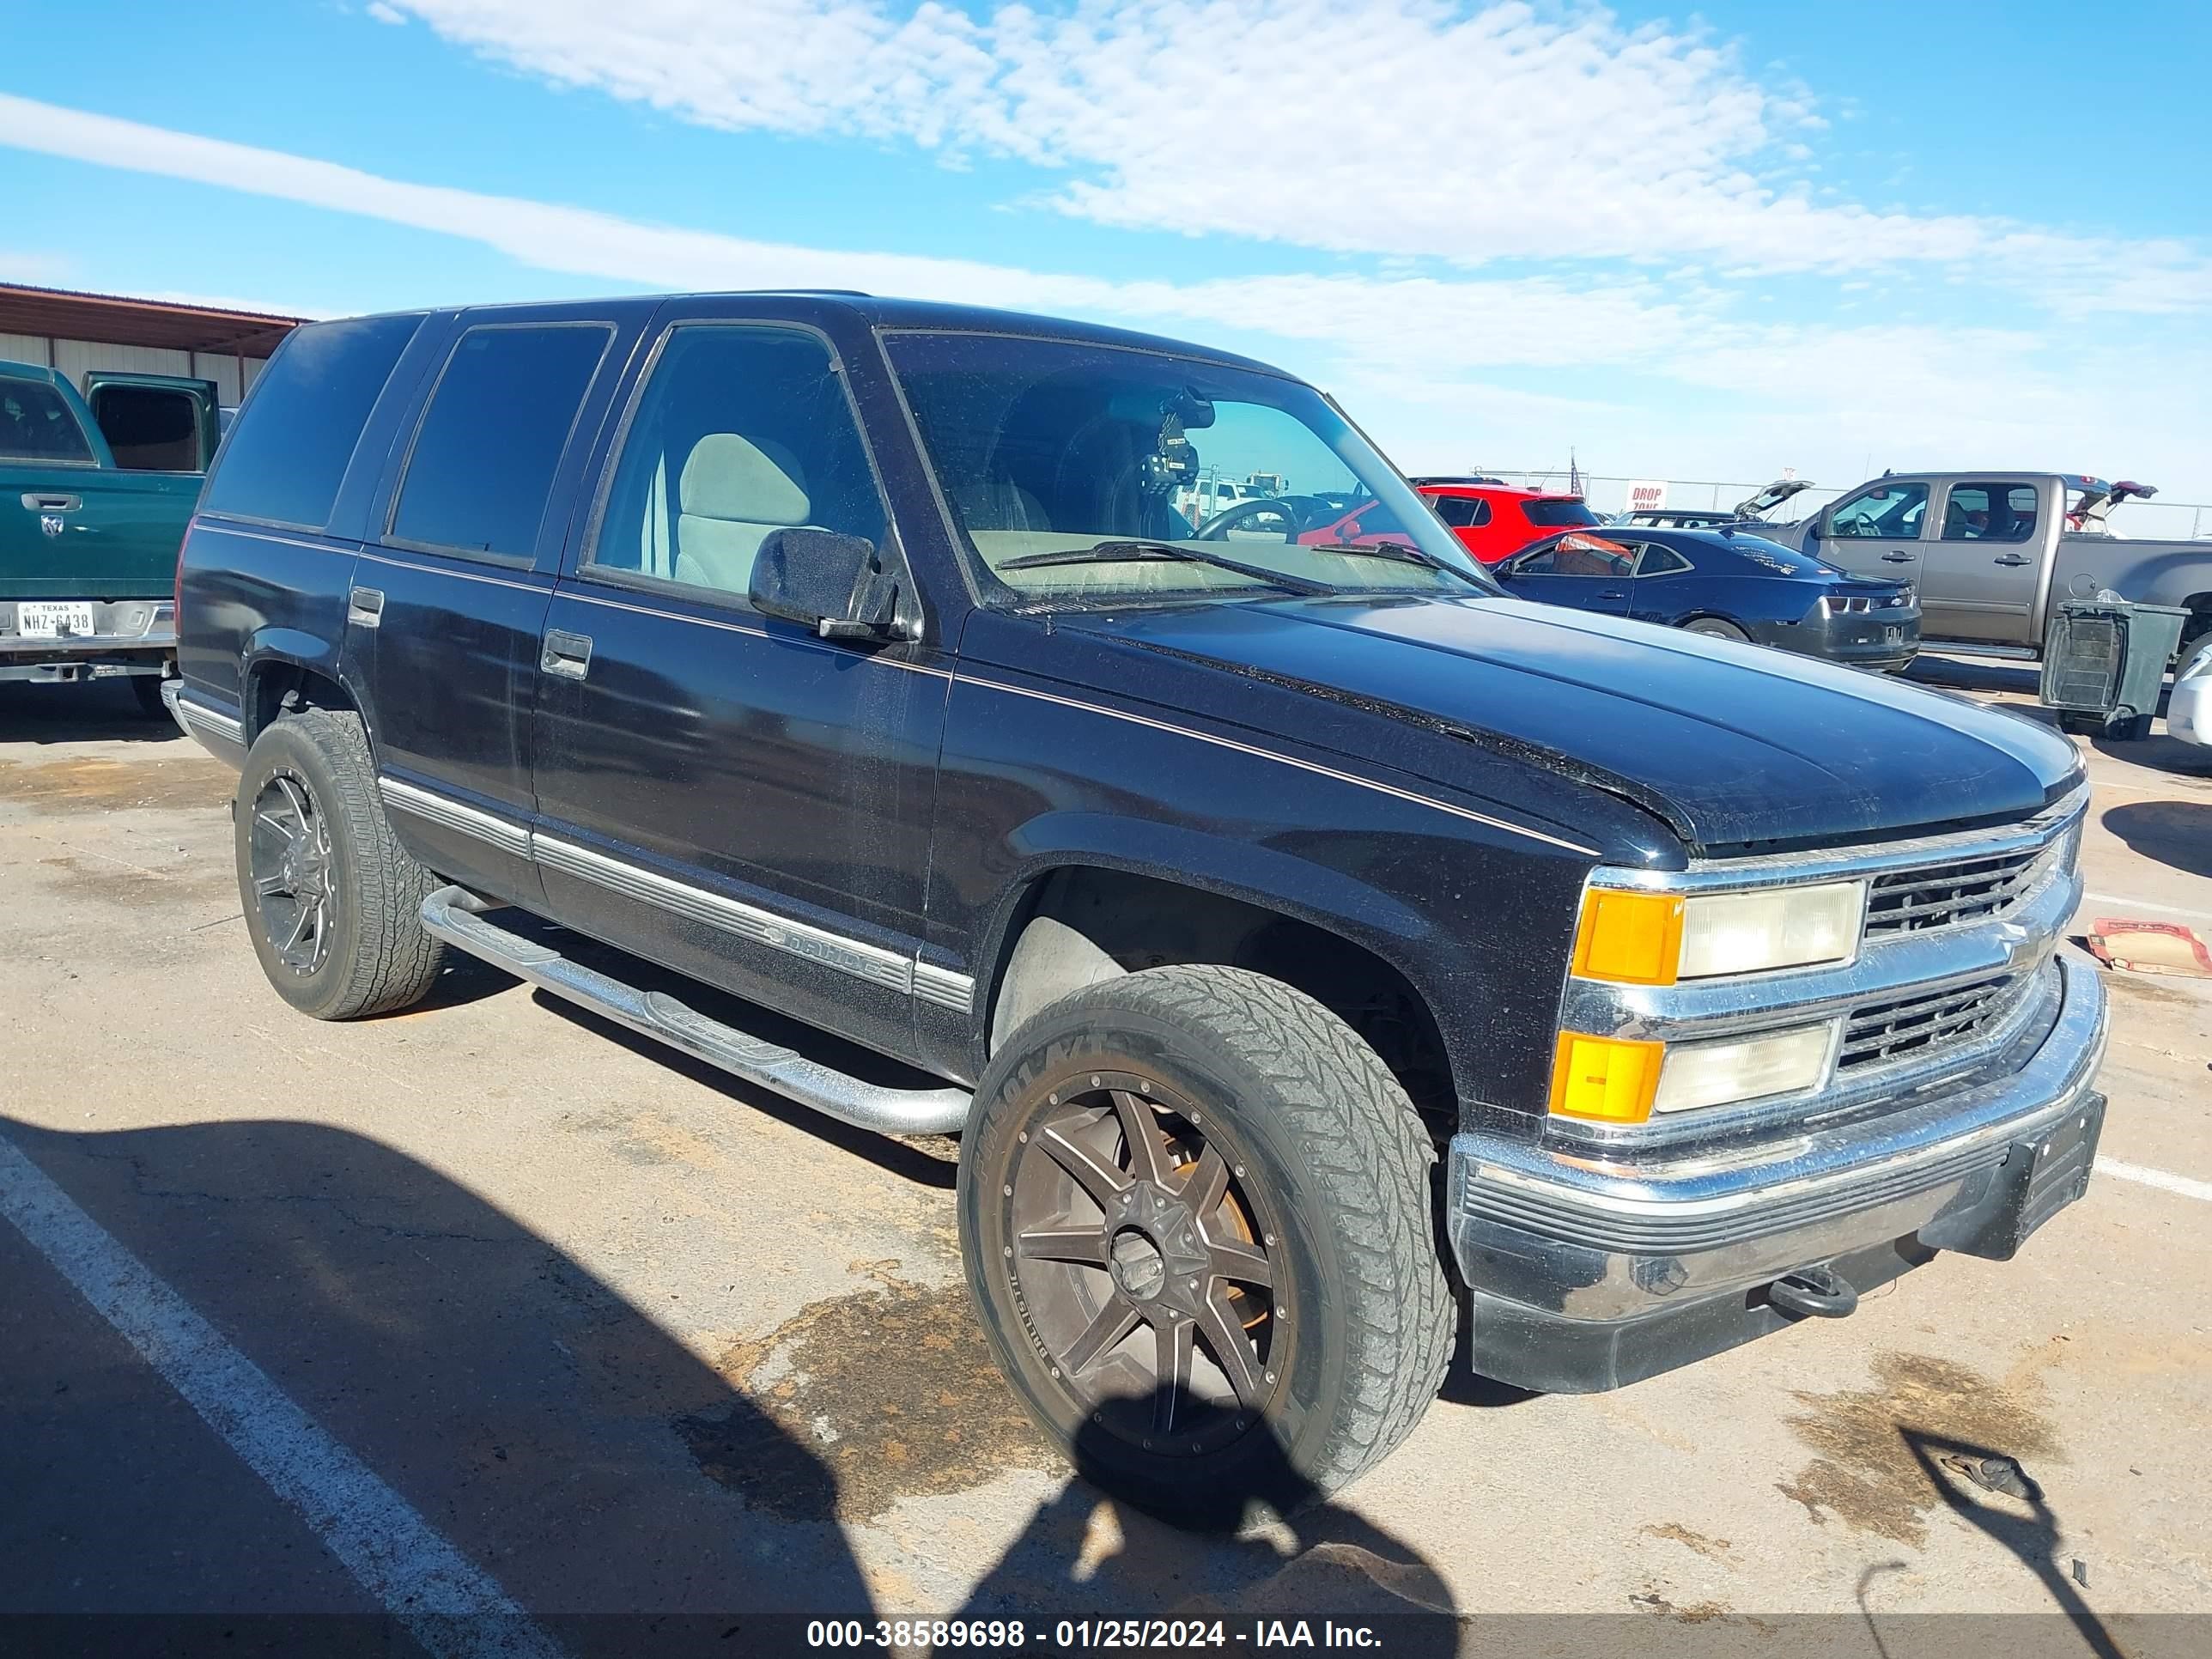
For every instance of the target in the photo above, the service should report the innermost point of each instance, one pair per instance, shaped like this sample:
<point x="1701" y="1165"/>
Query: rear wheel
<point x="1195" y="1208"/>
<point x="332" y="901"/>
<point x="1713" y="628"/>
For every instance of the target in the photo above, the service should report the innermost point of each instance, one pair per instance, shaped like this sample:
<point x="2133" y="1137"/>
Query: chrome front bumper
<point x="1589" y="1270"/>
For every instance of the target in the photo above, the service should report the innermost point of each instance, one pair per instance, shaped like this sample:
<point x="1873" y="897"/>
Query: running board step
<point x="456" y="916"/>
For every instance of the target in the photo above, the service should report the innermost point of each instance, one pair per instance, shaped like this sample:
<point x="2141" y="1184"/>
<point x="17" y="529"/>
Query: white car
<point x="2189" y="705"/>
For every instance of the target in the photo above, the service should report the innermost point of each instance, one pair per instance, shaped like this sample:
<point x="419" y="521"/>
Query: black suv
<point x="852" y="659"/>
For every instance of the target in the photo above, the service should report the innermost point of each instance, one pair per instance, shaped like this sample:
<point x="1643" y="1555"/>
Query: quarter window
<point x="481" y="467"/>
<point x="1888" y="511"/>
<point x="37" y="425"/>
<point x="1658" y="561"/>
<point x="1990" y="512"/>
<point x="285" y="459"/>
<point x="741" y="432"/>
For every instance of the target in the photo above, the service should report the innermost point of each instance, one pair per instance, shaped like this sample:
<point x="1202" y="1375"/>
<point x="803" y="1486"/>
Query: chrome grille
<point x="1921" y="1027"/>
<point x="1944" y="895"/>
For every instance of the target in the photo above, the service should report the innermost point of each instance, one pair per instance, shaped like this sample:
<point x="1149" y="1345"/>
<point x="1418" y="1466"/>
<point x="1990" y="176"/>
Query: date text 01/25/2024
<point x="1087" y="1635"/>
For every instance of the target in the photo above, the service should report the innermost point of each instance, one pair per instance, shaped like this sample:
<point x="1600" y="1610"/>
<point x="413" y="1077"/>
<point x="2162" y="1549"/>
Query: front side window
<point x="149" y="428"/>
<point x="1888" y="511"/>
<point x="285" y="459"/>
<point x="481" y="468"/>
<point x="1579" y="555"/>
<point x="1990" y="512"/>
<point x="37" y="425"/>
<point x="1079" y="472"/>
<point x="740" y="432"/>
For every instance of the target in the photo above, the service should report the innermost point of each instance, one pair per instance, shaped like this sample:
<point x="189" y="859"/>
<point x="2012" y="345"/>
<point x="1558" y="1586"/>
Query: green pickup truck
<point x="94" y="494"/>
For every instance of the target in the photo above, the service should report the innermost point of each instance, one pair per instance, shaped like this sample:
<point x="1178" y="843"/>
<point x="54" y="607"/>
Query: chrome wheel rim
<point x="1146" y="1267"/>
<point x="288" y="859"/>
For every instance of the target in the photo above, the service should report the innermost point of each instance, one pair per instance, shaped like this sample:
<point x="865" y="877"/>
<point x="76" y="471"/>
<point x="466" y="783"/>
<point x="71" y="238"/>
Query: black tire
<point x="2127" y="728"/>
<point x="1715" y="628"/>
<point x="2199" y="647"/>
<point x="367" y="952"/>
<point x="146" y="688"/>
<point x="1355" y="1329"/>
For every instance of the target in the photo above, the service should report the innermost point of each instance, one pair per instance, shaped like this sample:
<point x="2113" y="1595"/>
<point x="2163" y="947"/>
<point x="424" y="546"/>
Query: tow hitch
<point x="1813" y="1293"/>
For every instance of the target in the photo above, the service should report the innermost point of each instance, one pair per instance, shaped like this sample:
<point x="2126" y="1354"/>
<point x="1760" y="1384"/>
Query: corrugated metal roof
<point x="63" y="313"/>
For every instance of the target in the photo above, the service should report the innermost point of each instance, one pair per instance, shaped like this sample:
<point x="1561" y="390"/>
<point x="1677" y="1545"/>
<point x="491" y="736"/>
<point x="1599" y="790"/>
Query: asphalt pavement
<point x="486" y="1328"/>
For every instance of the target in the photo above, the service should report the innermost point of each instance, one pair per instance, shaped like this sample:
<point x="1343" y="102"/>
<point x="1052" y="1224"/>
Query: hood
<point x="1730" y="744"/>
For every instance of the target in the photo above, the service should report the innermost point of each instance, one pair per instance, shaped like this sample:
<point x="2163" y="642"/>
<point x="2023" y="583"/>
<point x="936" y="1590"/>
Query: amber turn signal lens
<point x="1629" y="937"/>
<point x="1611" y="1079"/>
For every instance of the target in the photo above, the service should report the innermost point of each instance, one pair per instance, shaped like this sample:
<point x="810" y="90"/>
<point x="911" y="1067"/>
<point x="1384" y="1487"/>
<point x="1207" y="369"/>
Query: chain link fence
<point x="2136" y="520"/>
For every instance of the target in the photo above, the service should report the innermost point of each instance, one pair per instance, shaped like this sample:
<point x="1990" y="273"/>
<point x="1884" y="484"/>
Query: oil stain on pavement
<point x="1866" y="1475"/>
<point x="891" y="1386"/>
<point x="60" y="789"/>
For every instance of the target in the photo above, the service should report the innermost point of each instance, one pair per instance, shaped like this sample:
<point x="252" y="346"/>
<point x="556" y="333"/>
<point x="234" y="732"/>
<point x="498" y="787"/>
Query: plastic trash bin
<point x="2104" y="663"/>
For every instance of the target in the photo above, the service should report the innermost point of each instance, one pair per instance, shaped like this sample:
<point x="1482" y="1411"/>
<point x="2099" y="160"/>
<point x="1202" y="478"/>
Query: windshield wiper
<point x="1405" y="553"/>
<point x="1140" y="552"/>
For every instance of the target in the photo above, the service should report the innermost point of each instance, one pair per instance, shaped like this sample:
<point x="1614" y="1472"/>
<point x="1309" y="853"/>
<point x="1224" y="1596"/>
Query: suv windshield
<point x="1054" y="447"/>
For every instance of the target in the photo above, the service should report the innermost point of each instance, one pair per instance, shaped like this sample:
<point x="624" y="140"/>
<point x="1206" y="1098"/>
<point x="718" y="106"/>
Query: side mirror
<point x="1818" y="528"/>
<point x="834" y="585"/>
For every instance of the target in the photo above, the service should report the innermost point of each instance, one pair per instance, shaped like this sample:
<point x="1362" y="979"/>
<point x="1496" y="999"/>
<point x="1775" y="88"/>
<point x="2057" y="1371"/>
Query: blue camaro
<point x="1726" y="584"/>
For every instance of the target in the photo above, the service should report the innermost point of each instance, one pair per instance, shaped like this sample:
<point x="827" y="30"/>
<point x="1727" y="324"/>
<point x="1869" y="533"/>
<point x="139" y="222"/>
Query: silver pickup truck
<point x="1992" y="552"/>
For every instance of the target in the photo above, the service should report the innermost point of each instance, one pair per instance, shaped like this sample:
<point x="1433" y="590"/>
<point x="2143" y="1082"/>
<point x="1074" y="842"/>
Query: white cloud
<point x="385" y="13"/>
<point x="1420" y="127"/>
<point x="1410" y="353"/>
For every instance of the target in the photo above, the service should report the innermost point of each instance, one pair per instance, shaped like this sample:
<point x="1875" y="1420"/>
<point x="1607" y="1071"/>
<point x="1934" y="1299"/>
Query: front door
<point x="1876" y="531"/>
<point x="449" y="596"/>
<point x="1585" y="571"/>
<point x="720" y="791"/>
<point x="1981" y="573"/>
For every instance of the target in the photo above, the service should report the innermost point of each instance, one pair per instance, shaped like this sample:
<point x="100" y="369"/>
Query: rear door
<point x="1978" y="581"/>
<point x="1876" y="530"/>
<point x="156" y="422"/>
<point x="449" y="593"/>
<point x="721" y="791"/>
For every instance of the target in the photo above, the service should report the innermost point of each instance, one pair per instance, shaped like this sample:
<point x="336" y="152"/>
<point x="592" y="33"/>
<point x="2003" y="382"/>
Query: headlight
<point x="1634" y="937"/>
<point x="1622" y="1080"/>
<point x="1716" y="1071"/>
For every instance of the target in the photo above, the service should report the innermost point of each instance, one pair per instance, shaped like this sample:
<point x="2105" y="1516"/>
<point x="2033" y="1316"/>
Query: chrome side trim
<point x="456" y="916"/>
<point x="944" y="987"/>
<point x="449" y="814"/>
<point x="370" y="556"/>
<point x="1313" y="767"/>
<point x="851" y="955"/>
<point x="605" y="603"/>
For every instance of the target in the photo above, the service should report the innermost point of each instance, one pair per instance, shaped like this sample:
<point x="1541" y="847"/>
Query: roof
<point x="1491" y="492"/>
<point x="118" y="319"/>
<point x="812" y="305"/>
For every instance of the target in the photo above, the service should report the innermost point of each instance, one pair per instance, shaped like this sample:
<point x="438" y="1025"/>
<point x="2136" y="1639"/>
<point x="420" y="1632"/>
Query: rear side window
<point x="283" y="461"/>
<point x="1560" y="515"/>
<point x="1990" y="512"/>
<point x="1461" y="511"/>
<point x="37" y="425"/>
<point x="482" y="462"/>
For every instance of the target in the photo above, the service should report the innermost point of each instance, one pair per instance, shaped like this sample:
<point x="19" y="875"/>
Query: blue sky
<point x="1707" y="244"/>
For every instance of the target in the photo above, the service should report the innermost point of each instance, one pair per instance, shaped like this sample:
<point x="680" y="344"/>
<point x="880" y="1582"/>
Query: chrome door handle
<point x="365" y="606"/>
<point x="566" y="655"/>
<point x="2011" y="558"/>
<point x="39" y="501"/>
<point x="1899" y="558"/>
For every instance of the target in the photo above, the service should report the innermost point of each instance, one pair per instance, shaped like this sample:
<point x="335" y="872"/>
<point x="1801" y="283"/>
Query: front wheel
<point x="1195" y="1211"/>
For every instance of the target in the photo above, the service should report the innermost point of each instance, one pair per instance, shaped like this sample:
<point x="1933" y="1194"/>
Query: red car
<point x="1494" y="521"/>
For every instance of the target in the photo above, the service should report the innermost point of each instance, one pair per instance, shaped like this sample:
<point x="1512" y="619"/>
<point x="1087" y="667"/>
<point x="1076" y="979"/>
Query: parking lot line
<point x="450" y="1606"/>
<point x="2200" y="1190"/>
<point x="2145" y="905"/>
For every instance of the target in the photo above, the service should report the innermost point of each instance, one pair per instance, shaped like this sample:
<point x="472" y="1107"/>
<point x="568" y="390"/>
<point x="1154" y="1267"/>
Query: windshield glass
<point x="1052" y="447"/>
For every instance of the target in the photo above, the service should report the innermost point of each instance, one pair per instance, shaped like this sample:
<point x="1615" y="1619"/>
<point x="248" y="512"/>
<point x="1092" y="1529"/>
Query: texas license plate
<point x="50" y="619"/>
